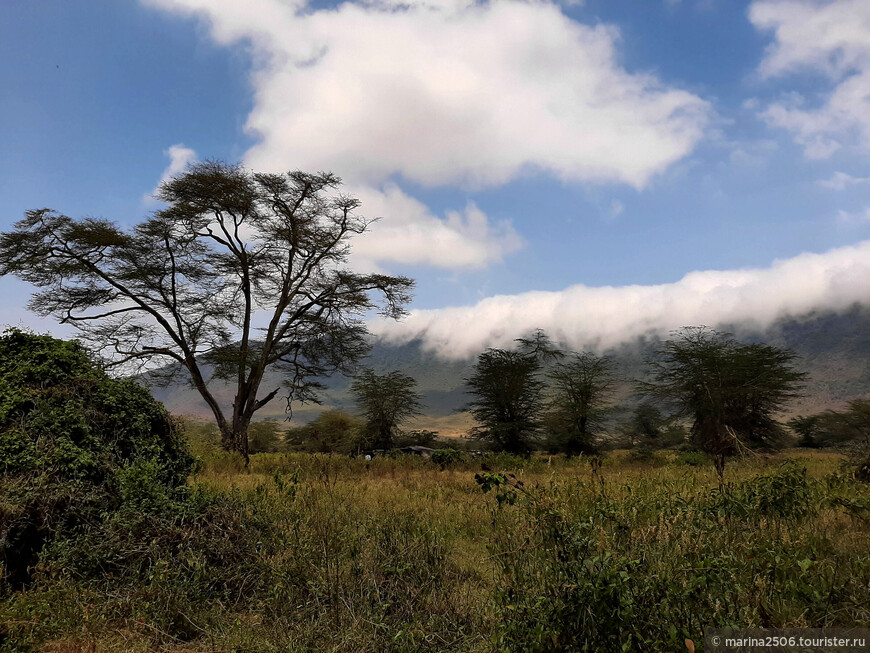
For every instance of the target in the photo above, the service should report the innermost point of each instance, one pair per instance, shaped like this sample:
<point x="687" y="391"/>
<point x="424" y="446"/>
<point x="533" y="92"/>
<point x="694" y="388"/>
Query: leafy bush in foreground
<point x="74" y="443"/>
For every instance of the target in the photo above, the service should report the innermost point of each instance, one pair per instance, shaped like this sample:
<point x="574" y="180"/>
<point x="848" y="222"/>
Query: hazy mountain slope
<point x="834" y="349"/>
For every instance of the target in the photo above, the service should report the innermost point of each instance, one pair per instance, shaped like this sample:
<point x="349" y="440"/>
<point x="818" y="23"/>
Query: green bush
<point x="265" y="436"/>
<point x="71" y="440"/>
<point x="332" y="432"/>
<point x="692" y="458"/>
<point x="785" y="494"/>
<point x="645" y="455"/>
<point x="445" y="457"/>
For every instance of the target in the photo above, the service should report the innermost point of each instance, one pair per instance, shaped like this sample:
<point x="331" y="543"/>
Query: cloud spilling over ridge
<point x="448" y="92"/>
<point x="603" y="317"/>
<point x="827" y="36"/>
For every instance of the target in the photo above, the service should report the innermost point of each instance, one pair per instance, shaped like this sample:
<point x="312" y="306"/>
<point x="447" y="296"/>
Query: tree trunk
<point x="234" y="437"/>
<point x="719" y="464"/>
<point x="240" y="435"/>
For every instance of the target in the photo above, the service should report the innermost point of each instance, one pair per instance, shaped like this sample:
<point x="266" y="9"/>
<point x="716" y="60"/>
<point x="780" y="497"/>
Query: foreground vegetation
<point x="319" y="552"/>
<point x="122" y="530"/>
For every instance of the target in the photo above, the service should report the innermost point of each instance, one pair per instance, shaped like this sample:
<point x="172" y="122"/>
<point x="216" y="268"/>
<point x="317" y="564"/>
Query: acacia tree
<point x="582" y="390"/>
<point x="808" y="428"/>
<point x="240" y="272"/>
<point x="385" y="401"/>
<point x="508" y="398"/>
<point x="730" y="390"/>
<point x="648" y="426"/>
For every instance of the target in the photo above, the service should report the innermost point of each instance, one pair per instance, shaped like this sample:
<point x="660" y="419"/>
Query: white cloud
<point x="179" y="158"/>
<point x="616" y="208"/>
<point x="752" y="154"/>
<point x="842" y="180"/>
<point x="448" y="92"/>
<point x="462" y="239"/>
<point x="831" y="37"/>
<point x="606" y="316"/>
<point x="852" y="218"/>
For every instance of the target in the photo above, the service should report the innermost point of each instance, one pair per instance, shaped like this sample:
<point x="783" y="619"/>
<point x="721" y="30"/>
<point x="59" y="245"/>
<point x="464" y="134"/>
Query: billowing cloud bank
<point x="447" y="92"/>
<point x="827" y="36"/>
<point x="585" y="317"/>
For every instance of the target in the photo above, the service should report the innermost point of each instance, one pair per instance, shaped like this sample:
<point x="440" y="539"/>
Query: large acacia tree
<point x="732" y="391"/>
<point x="508" y="393"/>
<point x="240" y="272"/>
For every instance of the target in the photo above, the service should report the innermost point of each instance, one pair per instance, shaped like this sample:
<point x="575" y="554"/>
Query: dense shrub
<point x="265" y="436"/>
<point x="445" y="457"/>
<point x="74" y="443"/>
<point x="692" y="458"/>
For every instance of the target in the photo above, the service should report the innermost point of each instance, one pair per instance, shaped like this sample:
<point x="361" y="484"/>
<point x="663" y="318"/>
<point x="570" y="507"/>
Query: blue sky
<point x="534" y="164"/>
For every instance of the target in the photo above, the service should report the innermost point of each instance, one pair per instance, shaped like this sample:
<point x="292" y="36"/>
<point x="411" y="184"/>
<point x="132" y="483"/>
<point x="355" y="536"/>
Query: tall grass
<point x="315" y="552"/>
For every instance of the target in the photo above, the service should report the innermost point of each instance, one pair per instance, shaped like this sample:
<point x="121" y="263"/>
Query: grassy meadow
<point x="305" y="552"/>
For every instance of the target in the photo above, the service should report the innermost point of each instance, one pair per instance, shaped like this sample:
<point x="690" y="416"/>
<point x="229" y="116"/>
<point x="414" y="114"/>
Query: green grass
<point x="311" y="552"/>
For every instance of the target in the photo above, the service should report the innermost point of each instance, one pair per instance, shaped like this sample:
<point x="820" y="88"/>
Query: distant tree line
<point x="729" y="392"/>
<point x="383" y="403"/>
<point x="847" y="429"/>
<point x="834" y="428"/>
<point x="704" y="389"/>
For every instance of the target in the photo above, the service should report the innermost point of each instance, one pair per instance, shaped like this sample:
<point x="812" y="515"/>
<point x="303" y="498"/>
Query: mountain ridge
<point x="833" y="347"/>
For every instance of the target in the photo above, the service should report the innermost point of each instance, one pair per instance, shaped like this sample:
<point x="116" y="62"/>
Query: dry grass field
<point x="305" y="552"/>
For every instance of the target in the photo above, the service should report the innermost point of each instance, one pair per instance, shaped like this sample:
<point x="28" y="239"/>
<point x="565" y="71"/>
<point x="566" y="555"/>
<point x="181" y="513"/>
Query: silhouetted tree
<point x="385" y="401"/>
<point x="239" y="273"/>
<point x="647" y="422"/>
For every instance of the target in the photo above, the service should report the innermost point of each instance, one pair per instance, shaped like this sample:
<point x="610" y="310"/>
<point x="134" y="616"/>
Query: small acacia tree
<point x="582" y="388"/>
<point x="239" y="273"/>
<point x="808" y="429"/>
<point x="730" y="390"/>
<point x="508" y="398"/>
<point x="385" y="401"/>
<point x="646" y="423"/>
